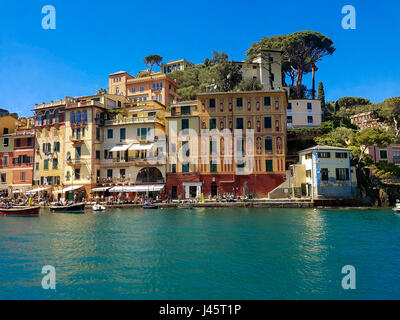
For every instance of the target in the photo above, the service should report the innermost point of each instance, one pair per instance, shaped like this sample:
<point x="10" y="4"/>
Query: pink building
<point x="390" y="153"/>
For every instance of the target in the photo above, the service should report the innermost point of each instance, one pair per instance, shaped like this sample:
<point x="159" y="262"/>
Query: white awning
<point x="71" y="188"/>
<point x="37" y="190"/>
<point x="139" y="188"/>
<point x="123" y="147"/>
<point x="100" y="189"/>
<point x="122" y="189"/>
<point x="137" y="147"/>
<point x="192" y="184"/>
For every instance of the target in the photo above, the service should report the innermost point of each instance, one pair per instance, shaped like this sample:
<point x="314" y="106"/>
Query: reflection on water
<point x="201" y="254"/>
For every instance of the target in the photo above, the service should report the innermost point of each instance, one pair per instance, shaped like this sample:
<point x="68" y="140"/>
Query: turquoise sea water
<point x="202" y="254"/>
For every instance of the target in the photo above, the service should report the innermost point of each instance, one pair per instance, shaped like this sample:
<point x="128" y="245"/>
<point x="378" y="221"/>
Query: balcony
<point x="76" y="163"/>
<point x="76" y="140"/>
<point x="130" y="121"/>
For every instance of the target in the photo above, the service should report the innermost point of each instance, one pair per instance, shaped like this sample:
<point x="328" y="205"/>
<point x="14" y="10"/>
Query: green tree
<point x="347" y="102"/>
<point x="321" y="94"/>
<point x="188" y="93"/>
<point x="102" y="91"/>
<point x="339" y="137"/>
<point x="390" y="113"/>
<point x="152" y="60"/>
<point x="249" y="85"/>
<point x="228" y="76"/>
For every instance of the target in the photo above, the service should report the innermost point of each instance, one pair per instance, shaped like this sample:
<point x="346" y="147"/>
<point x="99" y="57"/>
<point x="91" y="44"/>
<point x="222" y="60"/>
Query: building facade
<point x="178" y="65"/>
<point x="49" y="126"/>
<point x="391" y="153"/>
<point x="323" y="172"/>
<point x="227" y="143"/>
<point x="16" y="155"/>
<point x="133" y="149"/>
<point x="157" y="87"/>
<point x="304" y="113"/>
<point x="366" y="120"/>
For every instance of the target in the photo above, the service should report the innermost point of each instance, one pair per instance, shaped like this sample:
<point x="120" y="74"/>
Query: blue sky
<point x="95" y="38"/>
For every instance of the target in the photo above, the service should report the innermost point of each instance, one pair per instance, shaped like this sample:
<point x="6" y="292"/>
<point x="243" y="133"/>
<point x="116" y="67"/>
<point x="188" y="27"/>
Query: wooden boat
<point x="20" y="211"/>
<point x="70" y="208"/>
<point x="150" y="207"/>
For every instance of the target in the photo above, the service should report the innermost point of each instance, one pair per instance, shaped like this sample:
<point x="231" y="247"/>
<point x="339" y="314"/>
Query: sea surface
<point x="202" y="254"/>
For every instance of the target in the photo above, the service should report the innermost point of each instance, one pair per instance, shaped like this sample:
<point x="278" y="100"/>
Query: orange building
<point x="157" y="87"/>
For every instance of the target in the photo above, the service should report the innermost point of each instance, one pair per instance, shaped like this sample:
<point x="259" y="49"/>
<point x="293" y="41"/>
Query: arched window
<point x="84" y="116"/>
<point x="56" y="115"/>
<point x="72" y="117"/>
<point x="47" y="116"/>
<point x="40" y="118"/>
<point x="268" y="145"/>
<point x="78" y="117"/>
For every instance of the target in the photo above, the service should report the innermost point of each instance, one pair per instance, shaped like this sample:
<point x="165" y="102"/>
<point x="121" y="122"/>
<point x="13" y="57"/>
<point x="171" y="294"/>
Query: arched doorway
<point x="214" y="189"/>
<point x="149" y="175"/>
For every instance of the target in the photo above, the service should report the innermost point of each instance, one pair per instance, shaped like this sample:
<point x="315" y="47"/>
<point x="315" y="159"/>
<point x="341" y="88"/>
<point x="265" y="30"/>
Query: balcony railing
<point x="129" y="120"/>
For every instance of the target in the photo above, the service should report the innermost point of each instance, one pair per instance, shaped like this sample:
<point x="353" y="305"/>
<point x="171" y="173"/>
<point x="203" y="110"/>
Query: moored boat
<point x="397" y="207"/>
<point x="150" y="207"/>
<point x="70" y="208"/>
<point x="20" y="211"/>
<point x="98" y="207"/>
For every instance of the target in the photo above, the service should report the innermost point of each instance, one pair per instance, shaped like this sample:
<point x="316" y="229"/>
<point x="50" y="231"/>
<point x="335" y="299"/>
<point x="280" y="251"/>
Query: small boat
<point x="150" y="207"/>
<point x="70" y="208"/>
<point x="20" y="211"/>
<point x="397" y="207"/>
<point x="98" y="207"/>
<point x="185" y="207"/>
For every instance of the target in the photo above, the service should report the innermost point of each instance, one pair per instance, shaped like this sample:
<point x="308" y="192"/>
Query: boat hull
<point x="150" y="207"/>
<point x="74" y="208"/>
<point x="21" y="212"/>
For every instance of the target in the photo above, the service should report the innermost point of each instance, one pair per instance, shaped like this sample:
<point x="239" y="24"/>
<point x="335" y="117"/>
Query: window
<point x="46" y="164"/>
<point x="324" y="155"/>
<point x="267" y="123"/>
<point x="97" y="154"/>
<point x="5" y="142"/>
<point x="109" y="173"/>
<point x="185" y="149"/>
<point x="268" y="145"/>
<point x="56" y="116"/>
<point x="342" y="174"/>
<point x="213" y="147"/>
<point x="67" y="176"/>
<point x="29" y="142"/>
<point x="383" y="154"/>
<point x="37" y="166"/>
<point x="3" y="178"/>
<point x="185" y="110"/>
<point x="289" y="107"/>
<point x="110" y="133"/>
<point x="309" y="106"/>
<point x="185" y="124"/>
<point x="324" y="174"/>
<point x="18" y="143"/>
<point x="310" y="120"/>
<point x="174" y="192"/>
<point x="5" y="161"/>
<point x="122" y="134"/>
<point x="122" y="173"/>
<point x="55" y="163"/>
<point x="269" y="166"/>
<point x="5" y="131"/>
<point x="84" y="116"/>
<point x="78" y="117"/>
<point x="77" y="174"/>
<point x="239" y="102"/>
<point x="212" y="103"/>
<point x="97" y="133"/>
<point x="173" y="168"/>
<point x="213" y="166"/>
<point x="267" y="101"/>
<point x="72" y="117"/>
<point x="213" y="124"/>
<point x="341" y="155"/>
<point x="185" y="167"/>
<point x="396" y="157"/>
<point x="289" y="119"/>
<point x="239" y="123"/>
<point x="308" y="156"/>
<point x="141" y="88"/>
<point x="117" y="90"/>
<point x="133" y="90"/>
<point x="56" y="146"/>
<point x="308" y="173"/>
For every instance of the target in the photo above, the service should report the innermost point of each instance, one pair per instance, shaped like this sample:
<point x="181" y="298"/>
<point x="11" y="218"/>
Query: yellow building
<point x="49" y="124"/>
<point x="82" y="142"/>
<point x="7" y="127"/>
<point x="178" y="65"/>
